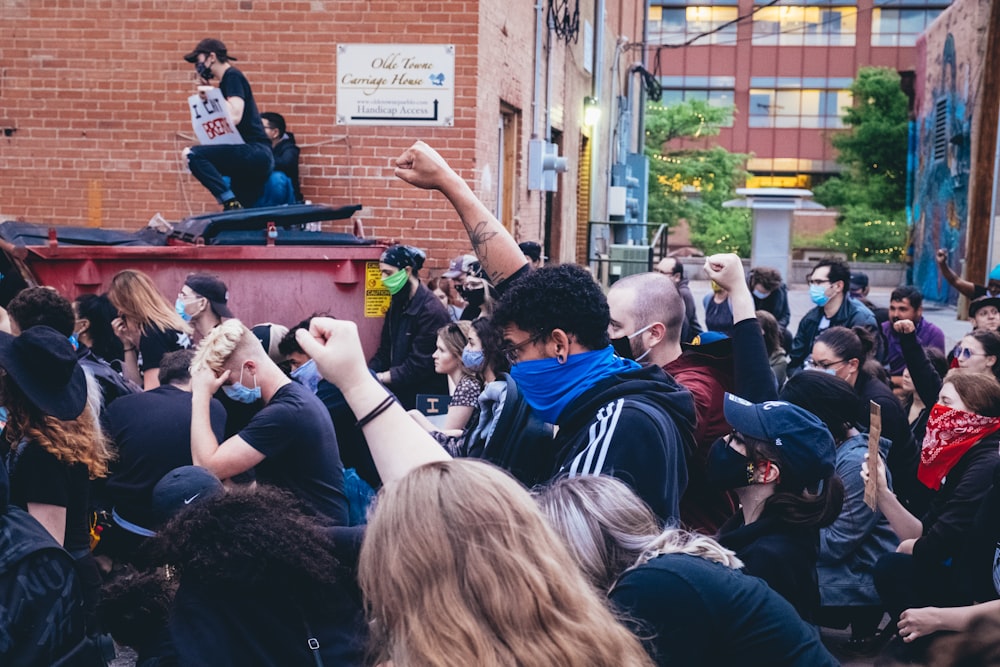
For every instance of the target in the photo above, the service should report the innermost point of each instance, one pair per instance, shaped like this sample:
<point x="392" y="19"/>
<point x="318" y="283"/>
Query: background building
<point x="786" y="65"/>
<point x="94" y="116"/>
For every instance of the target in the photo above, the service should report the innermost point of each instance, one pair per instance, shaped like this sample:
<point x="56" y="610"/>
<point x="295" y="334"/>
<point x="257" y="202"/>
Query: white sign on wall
<point x="396" y="84"/>
<point x="210" y="119"/>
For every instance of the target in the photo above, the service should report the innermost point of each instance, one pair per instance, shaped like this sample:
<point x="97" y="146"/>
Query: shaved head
<point x="647" y="298"/>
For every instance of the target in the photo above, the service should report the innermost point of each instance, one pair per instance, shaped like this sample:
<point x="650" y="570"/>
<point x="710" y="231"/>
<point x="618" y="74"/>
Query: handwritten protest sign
<point x="210" y="119"/>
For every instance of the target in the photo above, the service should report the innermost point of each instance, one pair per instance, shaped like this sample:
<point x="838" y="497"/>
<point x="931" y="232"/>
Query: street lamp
<point x="591" y="111"/>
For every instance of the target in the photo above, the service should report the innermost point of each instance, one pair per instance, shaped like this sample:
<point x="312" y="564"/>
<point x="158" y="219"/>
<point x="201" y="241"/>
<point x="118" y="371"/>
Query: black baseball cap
<point x="212" y="289"/>
<point x="532" y="250"/>
<point x="209" y="45"/>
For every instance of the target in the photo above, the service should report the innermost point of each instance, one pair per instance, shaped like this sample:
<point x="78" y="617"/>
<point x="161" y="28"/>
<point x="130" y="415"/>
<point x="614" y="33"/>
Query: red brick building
<point x="93" y="109"/>
<point x="786" y="67"/>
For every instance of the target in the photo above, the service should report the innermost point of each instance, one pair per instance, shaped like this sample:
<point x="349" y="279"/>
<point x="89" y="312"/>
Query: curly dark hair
<point x="34" y="306"/>
<point x="557" y="297"/>
<point x="135" y="605"/>
<point x="251" y="536"/>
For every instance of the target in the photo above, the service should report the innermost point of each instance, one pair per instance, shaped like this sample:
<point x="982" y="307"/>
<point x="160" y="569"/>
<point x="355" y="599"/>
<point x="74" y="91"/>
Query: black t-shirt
<point x="154" y="343"/>
<point x="250" y="127"/>
<point x="295" y="433"/>
<point x="219" y="625"/>
<point x="37" y="476"/>
<point x="152" y="432"/>
<point x="692" y="611"/>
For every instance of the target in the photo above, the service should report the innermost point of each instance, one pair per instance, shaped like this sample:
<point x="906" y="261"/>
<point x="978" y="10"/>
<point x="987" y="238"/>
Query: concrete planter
<point x="879" y="274"/>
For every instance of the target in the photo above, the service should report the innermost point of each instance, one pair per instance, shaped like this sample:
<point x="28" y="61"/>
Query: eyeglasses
<point x="965" y="353"/>
<point x="818" y="281"/>
<point x="512" y="352"/>
<point x="812" y="363"/>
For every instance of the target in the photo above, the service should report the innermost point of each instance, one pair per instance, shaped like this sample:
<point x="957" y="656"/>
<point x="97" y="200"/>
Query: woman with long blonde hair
<point x="683" y="591"/>
<point x="56" y="445"/>
<point x="459" y="567"/>
<point x="147" y="325"/>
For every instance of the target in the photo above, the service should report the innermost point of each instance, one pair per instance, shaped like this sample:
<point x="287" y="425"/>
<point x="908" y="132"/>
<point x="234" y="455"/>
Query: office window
<point x="900" y="27"/>
<point x="797" y="108"/>
<point x="677" y="25"/>
<point x="718" y="91"/>
<point x="805" y="26"/>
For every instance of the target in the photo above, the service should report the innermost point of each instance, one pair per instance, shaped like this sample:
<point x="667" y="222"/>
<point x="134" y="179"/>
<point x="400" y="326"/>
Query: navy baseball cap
<point x="181" y="487"/>
<point x="804" y="443"/>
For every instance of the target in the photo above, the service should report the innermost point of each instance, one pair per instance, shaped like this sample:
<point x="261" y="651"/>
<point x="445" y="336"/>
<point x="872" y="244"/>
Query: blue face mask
<point x="818" y="295"/>
<point x="761" y="295"/>
<point x="179" y="307"/>
<point x="472" y="359"/>
<point x="240" y="393"/>
<point x="549" y="386"/>
<point x="308" y="375"/>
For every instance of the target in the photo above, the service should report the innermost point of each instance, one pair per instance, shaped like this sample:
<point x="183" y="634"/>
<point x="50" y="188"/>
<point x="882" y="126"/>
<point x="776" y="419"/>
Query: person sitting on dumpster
<point x="248" y="165"/>
<point x="290" y="442"/>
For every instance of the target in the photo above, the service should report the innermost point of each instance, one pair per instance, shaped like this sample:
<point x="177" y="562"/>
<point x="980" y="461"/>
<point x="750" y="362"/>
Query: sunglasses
<point x="965" y="353"/>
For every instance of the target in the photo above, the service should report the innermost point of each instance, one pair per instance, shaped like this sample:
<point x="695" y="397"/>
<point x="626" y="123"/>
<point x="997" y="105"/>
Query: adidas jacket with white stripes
<point x="635" y="426"/>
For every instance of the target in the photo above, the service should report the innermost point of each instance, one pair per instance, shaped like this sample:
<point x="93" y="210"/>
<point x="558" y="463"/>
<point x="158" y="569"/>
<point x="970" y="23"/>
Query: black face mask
<point x="726" y="468"/>
<point x="204" y="71"/>
<point x="475" y="297"/>
<point x="623" y="347"/>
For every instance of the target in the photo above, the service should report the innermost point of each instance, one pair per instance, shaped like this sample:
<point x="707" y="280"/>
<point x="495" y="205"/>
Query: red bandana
<point x="950" y="434"/>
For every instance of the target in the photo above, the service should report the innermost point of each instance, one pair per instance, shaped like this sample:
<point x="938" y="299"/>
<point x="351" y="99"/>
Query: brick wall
<point x="94" y="92"/>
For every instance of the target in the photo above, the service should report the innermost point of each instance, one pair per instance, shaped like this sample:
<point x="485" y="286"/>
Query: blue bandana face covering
<point x="549" y="386"/>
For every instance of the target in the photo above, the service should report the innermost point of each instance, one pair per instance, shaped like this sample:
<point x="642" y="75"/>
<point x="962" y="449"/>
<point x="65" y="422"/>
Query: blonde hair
<point x="609" y="529"/>
<point x="79" y="440"/>
<point x="222" y="342"/>
<point x="133" y="293"/>
<point x="459" y="567"/>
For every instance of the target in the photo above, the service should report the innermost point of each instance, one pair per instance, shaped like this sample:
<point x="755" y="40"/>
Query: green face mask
<point x="395" y="282"/>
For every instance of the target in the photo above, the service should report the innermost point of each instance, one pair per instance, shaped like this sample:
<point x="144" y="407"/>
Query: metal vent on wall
<point x="940" y="145"/>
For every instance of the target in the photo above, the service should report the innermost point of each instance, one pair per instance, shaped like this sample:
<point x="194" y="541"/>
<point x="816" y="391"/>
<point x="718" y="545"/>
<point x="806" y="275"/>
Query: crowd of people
<point x="605" y="481"/>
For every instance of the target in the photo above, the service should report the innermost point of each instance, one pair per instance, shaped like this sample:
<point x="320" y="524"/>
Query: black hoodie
<point x="636" y="426"/>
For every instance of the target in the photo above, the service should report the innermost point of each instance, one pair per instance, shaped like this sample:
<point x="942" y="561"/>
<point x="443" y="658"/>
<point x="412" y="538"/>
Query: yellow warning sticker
<point x="376" y="295"/>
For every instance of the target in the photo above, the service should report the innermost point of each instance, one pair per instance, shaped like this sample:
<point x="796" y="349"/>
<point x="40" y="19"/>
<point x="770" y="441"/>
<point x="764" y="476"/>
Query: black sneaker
<point x="231" y="205"/>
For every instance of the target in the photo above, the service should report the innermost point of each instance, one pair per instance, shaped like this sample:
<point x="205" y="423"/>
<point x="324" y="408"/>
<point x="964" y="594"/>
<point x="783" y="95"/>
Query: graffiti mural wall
<point x="946" y="102"/>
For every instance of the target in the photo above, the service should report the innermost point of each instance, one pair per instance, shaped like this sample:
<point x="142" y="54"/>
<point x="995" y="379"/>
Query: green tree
<point x="872" y="150"/>
<point x="692" y="184"/>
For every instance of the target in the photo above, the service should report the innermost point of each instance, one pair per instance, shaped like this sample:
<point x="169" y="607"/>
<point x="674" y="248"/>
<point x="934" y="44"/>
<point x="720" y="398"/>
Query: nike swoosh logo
<point x="188" y="501"/>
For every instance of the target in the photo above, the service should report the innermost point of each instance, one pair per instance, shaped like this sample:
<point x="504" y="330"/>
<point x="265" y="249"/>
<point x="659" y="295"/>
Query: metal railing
<point x="642" y="244"/>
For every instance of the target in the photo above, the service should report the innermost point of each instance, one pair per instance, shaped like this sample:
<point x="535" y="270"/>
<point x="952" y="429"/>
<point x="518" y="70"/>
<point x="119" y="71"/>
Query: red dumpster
<point x="275" y="272"/>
